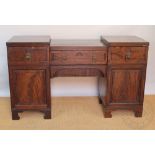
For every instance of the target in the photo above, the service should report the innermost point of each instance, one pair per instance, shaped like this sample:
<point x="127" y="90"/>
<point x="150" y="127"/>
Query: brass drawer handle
<point x="128" y="55"/>
<point x="28" y="56"/>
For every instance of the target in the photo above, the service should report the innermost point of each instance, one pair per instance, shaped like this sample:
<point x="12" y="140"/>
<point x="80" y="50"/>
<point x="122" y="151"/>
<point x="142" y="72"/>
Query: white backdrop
<point x="76" y="86"/>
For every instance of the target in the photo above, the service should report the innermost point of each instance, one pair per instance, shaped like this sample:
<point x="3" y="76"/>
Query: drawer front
<point x="78" y="57"/>
<point x="127" y="55"/>
<point x="28" y="55"/>
<point x="99" y="57"/>
<point x="71" y="57"/>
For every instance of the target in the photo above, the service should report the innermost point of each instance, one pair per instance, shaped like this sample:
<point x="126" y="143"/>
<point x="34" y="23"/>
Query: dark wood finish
<point x="78" y="57"/>
<point x="119" y="62"/>
<point x="127" y="55"/>
<point x="125" y="84"/>
<point x="126" y="71"/>
<point x="99" y="57"/>
<point x="29" y="87"/>
<point x="71" y="45"/>
<point x="28" y="55"/>
<point x="71" y="57"/>
<point x="123" y="41"/>
<point x="102" y="86"/>
<point x="121" y="92"/>
<point x="29" y="75"/>
<point x="21" y="41"/>
<point x="78" y="70"/>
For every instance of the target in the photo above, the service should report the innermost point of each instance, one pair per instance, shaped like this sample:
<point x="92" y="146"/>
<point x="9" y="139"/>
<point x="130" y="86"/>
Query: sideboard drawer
<point x="28" y="55"/>
<point x="78" y="57"/>
<point x="71" y="57"/>
<point x="99" y="57"/>
<point x="127" y="55"/>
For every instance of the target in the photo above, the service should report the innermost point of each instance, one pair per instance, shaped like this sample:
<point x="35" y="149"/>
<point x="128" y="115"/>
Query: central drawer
<point x="78" y="57"/>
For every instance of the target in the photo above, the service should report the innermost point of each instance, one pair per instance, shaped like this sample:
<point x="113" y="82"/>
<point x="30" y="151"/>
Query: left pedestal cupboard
<point x="29" y="75"/>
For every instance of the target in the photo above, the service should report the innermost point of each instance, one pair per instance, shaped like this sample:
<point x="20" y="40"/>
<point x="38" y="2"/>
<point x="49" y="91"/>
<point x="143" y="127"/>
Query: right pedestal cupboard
<point x="126" y="73"/>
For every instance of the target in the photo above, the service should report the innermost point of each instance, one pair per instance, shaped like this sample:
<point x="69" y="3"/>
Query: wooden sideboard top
<point x="75" y="44"/>
<point x="28" y="40"/>
<point x="123" y="41"/>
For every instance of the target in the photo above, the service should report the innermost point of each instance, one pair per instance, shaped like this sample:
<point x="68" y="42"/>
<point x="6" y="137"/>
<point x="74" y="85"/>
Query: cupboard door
<point x="126" y="85"/>
<point x="29" y="88"/>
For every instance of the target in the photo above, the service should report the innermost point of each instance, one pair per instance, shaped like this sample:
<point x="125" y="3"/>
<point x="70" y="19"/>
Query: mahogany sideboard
<point x="120" y="60"/>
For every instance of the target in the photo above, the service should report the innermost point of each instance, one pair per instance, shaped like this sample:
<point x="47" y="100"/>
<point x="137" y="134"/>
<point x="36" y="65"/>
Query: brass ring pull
<point x="128" y="55"/>
<point x="28" y="56"/>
